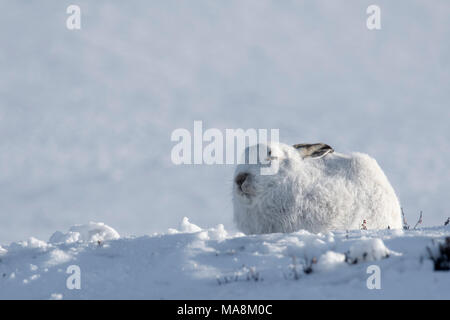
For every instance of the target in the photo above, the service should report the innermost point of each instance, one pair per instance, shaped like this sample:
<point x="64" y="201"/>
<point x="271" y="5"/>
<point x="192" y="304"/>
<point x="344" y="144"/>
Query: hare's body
<point x="318" y="194"/>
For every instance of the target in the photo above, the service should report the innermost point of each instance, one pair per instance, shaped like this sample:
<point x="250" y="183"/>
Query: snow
<point x="86" y="116"/>
<point x="210" y="263"/>
<point x="330" y="260"/>
<point x="186" y="226"/>
<point x="94" y="231"/>
<point x="368" y="250"/>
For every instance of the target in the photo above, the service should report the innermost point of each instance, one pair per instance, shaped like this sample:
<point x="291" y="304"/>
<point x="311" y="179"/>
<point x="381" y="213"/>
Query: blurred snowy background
<point x="86" y="116"/>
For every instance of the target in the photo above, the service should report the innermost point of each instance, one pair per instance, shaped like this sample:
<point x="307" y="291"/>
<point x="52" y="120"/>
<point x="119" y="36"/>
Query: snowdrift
<point x="195" y="263"/>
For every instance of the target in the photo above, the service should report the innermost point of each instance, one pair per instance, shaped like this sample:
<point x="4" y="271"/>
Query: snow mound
<point x="92" y="232"/>
<point x="218" y="233"/>
<point x="368" y="250"/>
<point x="330" y="260"/>
<point x="196" y="263"/>
<point x="186" y="226"/>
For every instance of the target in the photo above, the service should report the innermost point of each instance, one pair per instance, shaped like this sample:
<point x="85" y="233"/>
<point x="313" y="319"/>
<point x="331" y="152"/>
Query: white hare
<point x="314" y="189"/>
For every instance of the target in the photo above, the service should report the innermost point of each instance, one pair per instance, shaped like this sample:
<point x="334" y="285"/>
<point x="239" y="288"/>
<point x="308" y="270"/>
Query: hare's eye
<point x="269" y="153"/>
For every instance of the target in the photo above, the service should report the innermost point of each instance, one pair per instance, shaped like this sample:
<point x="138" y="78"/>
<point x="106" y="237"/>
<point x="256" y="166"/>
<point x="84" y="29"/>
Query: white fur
<point x="336" y="192"/>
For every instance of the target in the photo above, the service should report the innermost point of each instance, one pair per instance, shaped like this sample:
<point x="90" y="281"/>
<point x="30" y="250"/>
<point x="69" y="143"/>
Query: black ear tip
<point x="314" y="150"/>
<point x="327" y="147"/>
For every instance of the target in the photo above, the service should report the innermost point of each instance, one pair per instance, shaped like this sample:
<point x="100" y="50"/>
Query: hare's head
<point x="271" y="166"/>
<point x="271" y="181"/>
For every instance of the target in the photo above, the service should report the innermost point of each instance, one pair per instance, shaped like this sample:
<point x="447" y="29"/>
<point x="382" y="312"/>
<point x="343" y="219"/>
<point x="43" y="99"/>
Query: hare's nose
<point x="240" y="178"/>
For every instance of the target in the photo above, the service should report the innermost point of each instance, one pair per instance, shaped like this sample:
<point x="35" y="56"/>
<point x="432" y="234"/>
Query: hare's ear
<point x="315" y="150"/>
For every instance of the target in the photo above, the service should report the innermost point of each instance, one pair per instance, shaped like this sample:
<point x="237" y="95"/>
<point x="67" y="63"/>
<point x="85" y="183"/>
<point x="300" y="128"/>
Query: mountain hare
<point x="314" y="189"/>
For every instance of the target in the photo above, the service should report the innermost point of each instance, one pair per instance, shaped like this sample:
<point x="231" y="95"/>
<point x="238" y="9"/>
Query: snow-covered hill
<point x="192" y="262"/>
